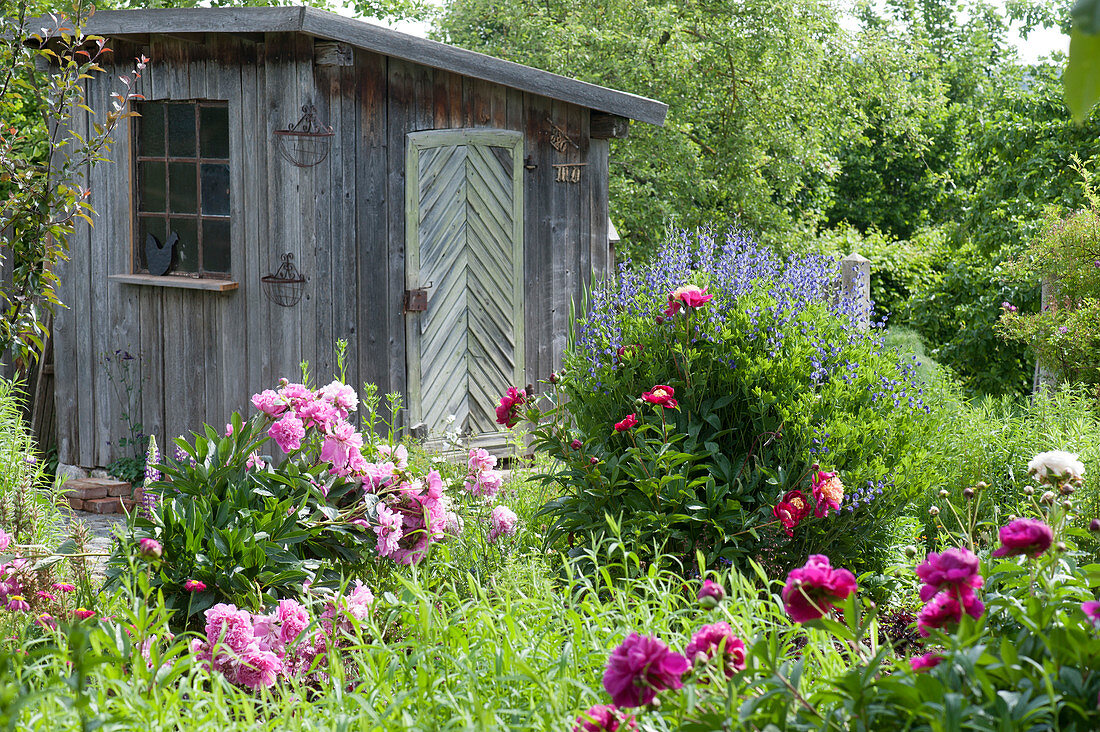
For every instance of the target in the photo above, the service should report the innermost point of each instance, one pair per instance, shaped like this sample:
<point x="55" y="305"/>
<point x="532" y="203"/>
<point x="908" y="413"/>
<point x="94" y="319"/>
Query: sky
<point x="1040" y="43"/>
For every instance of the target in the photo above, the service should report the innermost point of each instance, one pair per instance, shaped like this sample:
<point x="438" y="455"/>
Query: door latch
<point x="416" y="300"/>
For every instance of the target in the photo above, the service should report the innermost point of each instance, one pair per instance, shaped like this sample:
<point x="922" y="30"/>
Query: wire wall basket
<point x="305" y="143"/>
<point x="287" y="285"/>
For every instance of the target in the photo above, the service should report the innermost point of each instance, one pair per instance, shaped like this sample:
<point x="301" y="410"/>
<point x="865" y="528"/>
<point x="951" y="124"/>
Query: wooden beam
<point x="604" y="126"/>
<point x="331" y="53"/>
<point x="185" y="283"/>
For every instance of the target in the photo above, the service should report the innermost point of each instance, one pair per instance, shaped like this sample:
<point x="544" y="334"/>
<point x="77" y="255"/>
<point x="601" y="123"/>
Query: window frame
<point x="197" y="216"/>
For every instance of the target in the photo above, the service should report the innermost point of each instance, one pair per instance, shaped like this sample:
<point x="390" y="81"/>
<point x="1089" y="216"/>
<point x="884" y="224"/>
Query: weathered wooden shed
<point x="443" y="228"/>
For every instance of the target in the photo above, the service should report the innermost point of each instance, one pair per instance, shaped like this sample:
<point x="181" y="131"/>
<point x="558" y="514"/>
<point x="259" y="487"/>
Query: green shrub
<point x="769" y="378"/>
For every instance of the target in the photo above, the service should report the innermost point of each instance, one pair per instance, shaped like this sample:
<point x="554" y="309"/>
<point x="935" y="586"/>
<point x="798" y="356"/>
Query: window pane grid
<point x="179" y="138"/>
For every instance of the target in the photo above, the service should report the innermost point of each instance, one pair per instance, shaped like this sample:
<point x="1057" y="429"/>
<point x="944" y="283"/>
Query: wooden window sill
<point x="186" y="283"/>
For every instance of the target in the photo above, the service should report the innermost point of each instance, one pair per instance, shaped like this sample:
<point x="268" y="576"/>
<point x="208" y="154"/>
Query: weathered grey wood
<point x="384" y="41"/>
<point x="373" y="234"/>
<point x="565" y="236"/>
<point x="344" y="203"/>
<point x="538" y="243"/>
<point x="606" y="126"/>
<point x="598" y="159"/>
<point x="855" y="283"/>
<point x="331" y="53"/>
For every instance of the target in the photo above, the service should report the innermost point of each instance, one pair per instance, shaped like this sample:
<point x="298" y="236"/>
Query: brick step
<point x="100" y="495"/>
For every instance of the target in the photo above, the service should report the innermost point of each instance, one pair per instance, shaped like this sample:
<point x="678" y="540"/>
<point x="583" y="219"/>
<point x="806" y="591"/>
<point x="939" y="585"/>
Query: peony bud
<point x="981" y="486"/>
<point x="968" y="493"/>
<point x="150" y="548"/>
<point x="934" y="511"/>
<point x="1029" y="491"/>
<point x="1047" y="499"/>
<point x="711" y="594"/>
<point x="1067" y="504"/>
<point x="1094" y="525"/>
<point x="593" y="460"/>
<point x="576" y="444"/>
<point x="554" y="378"/>
<point x="1067" y="489"/>
<point x="911" y="551"/>
<point x="943" y="493"/>
<point x="1060" y="546"/>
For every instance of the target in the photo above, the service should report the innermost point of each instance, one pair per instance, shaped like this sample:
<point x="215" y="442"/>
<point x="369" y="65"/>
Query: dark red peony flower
<point x="791" y="510"/>
<point x="639" y="668"/>
<point x="661" y="395"/>
<point x="812" y="589"/>
<point x="508" y="411"/>
<point x="1024" y="536"/>
<point x="627" y="423"/>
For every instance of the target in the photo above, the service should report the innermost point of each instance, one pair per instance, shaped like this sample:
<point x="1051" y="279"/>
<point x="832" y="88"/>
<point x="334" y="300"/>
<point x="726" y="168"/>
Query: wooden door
<point x="464" y="247"/>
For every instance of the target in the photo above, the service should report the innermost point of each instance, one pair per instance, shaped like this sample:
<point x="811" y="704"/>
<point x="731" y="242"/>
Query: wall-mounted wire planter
<point x="286" y="286"/>
<point x="305" y="143"/>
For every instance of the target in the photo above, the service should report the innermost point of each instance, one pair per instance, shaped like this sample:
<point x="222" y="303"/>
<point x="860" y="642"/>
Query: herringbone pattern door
<point x="464" y="209"/>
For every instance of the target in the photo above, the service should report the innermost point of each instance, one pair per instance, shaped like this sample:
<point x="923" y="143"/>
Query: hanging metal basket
<point x="286" y="287"/>
<point x="305" y="143"/>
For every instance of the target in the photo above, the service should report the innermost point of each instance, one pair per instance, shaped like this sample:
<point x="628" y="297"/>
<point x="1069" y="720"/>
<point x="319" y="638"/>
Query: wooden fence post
<point x="1045" y="378"/>
<point x="855" y="283"/>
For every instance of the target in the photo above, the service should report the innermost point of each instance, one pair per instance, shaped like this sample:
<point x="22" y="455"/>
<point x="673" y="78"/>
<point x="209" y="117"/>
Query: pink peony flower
<point x="692" y="296"/>
<point x="150" y="548"/>
<point x="359" y="601"/>
<point x="399" y="455"/>
<point x="508" y="411"/>
<point x="255" y="461"/>
<point x="269" y="402"/>
<point x="710" y="640"/>
<point x="388" y="530"/>
<point x="661" y="395"/>
<point x="791" y="510"/>
<point x="228" y="429"/>
<point x="711" y="594"/>
<point x="639" y="668"/>
<point x="480" y="460"/>
<point x="6" y="540"/>
<point x="953" y="570"/>
<point x="194" y="586"/>
<point x="1092" y="611"/>
<point x="604" y="718"/>
<point x="628" y="422"/>
<point x="376" y="475"/>
<point x="1024" y="536"/>
<point x="228" y="626"/>
<point x="288" y="433"/>
<point x="828" y="493"/>
<point x="341" y="440"/>
<point x="341" y="396"/>
<point x="484" y="483"/>
<point x="258" y="669"/>
<point x="503" y="521"/>
<point x="812" y="589"/>
<point x="926" y="662"/>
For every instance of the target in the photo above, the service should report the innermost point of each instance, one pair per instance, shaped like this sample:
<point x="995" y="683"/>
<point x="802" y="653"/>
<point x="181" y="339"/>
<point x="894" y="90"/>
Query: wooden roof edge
<point x="385" y="41"/>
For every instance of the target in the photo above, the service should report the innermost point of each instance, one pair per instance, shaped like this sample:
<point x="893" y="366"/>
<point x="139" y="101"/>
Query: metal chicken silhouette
<point x="157" y="257"/>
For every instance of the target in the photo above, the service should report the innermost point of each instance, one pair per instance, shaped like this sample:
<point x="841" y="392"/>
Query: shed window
<point x="181" y="184"/>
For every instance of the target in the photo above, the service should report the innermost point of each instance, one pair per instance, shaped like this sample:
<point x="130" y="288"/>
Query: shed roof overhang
<point x="333" y="27"/>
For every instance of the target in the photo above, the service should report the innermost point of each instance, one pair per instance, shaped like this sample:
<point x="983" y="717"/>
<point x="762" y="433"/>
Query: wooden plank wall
<point x="202" y="354"/>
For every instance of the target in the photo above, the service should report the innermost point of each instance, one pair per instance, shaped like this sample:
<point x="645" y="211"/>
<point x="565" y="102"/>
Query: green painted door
<point x="464" y="246"/>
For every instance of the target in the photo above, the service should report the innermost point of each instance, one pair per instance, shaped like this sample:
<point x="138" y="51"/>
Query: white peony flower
<point x="1056" y="463"/>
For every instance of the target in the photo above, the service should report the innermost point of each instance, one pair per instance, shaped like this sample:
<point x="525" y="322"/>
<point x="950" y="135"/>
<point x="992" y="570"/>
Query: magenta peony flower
<point x="709" y="640"/>
<point x="1024" y="536"/>
<point x="812" y="589"/>
<point x="711" y="594"/>
<point x="508" y="411"/>
<point x="604" y="718"/>
<point x="661" y="395"/>
<point x="194" y="586"/>
<point x="926" y="662"/>
<point x="150" y="548"/>
<point x="639" y="668"/>
<point x="503" y="521"/>
<point x="6" y="540"/>
<point x="627" y="423"/>
<point x="947" y="609"/>
<point x="1092" y="611"/>
<point x="791" y="510"/>
<point x="954" y="569"/>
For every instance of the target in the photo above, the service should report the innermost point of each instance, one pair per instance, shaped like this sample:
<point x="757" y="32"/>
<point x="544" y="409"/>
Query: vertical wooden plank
<point x="229" y="336"/>
<point x="598" y="160"/>
<point x="372" y="191"/>
<point x="211" y="306"/>
<point x="285" y="183"/>
<point x="345" y="202"/>
<point x="582" y="209"/>
<point x="447" y="100"/>
<point x="563" y="241"/>
<point x="151" y="299"/>
<point x="255" y="238"/>
<point x="538" y="243"/>
<point x="477" y="102"/>
<point x="314" y="312"/>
